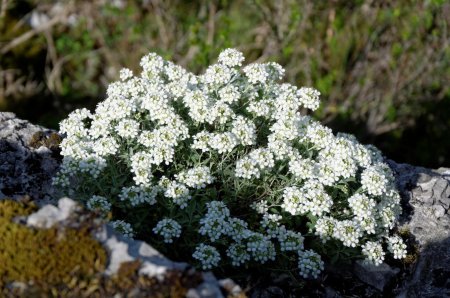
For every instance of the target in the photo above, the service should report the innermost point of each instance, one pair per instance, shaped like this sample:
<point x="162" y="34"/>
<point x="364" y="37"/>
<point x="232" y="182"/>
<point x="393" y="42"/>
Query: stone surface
<point x="49" y="215"/>
<point x="426" y="196"/>
<point x="230" y="286"/>
<point x="123" y="249"/>
<point x="376" y="276"/>
<point x="24" y="170"/>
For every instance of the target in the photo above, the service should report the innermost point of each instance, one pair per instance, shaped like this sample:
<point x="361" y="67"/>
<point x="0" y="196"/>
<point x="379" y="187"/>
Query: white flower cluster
<point x="397" y="247"/>
<point x="123" y="227"/>
<point x="215" y="222"/>
<point x="311" y="197"/>
<point x="170" y="138"/>
<point x="99" y="203"/>
<point x="196" y="177"/>
<point x="260" y="247"/>
<point x="238" y="254"/>
<point x="290" y="241"/>
<point x="310" y="263"/>
<point x="374" y="180"/>
<point x="137" y="195"/>
<point x="178" y="192"/>
<point x="374" y="252"/>
<point x="208" y="256"/>
<point x="348" y="232"/>
<point x="255" y="163"/>
<point x="168" y="228"/>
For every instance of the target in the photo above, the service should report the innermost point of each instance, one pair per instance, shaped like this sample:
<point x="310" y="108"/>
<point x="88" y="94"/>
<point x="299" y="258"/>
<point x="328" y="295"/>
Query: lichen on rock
<point x="45" y="256"/>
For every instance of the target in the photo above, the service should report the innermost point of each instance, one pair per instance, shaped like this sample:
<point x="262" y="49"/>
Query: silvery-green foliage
<point x="225" y="161"/>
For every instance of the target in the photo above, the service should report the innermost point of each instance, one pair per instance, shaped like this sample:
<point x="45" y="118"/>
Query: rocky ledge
<point x="29" y="158"/>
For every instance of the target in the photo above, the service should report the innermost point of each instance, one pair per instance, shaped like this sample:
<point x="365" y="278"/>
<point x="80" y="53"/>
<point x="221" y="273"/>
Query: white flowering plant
<point x="226" y="168"/>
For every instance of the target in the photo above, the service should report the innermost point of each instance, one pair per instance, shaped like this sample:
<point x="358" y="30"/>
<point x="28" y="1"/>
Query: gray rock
<point x="376" y="276"/>
<point x="439" y="211"/>
<point x="427" y="194"/>
<point x="431" y="274"/>
<point x="123" y="249"/>
<point x="428" y="218"/>
<point x="268" y="292"/>
<point x="49" y="215"/>
<point x="230" y="286"/>
<point x="24" y="170"/>
<point x="205" y="290"/>
<point x="331" y="293"/>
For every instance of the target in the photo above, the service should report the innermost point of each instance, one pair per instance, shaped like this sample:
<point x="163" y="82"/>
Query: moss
<point x="126" y="283"/>
<point x="10" y="208"/>
<point x="413" y="250"/>
<point x="412" y="255"/>
<point x="50" y="141"/>
<point x="44" y="256"/>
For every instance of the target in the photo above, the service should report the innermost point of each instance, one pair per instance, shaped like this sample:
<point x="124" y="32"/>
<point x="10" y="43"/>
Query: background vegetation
<point x="383" y="67"/>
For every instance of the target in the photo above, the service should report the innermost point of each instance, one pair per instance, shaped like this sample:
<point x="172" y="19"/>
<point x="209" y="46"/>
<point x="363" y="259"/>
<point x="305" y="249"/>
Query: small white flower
<point x="202" y="140"/>
<point x="223" y="142"/>
<point x="179" y="193"/>
<point x="309" y="97"/>
<point x="290" y="240"/>
<point x="261" y="207"/>
<point x="168" y="228"/>
<point x="244" y="130"/>
<point x="208" y="256"/>
<point x="231" y="58"/>
<point x="362" y="206"/>
<point x="260" y="247"/>
<point x="373" y="252"/>
<point x="247" y="168"/>
<point x="217" y="74"/>
<point x="99" y="203"/>
<point x="127" y="128"/>
<point x="310" y="263"/>
<point x="374" y="181"/>
<point x="397" y="247"/>
<point x="325" y="228"/>
<point x="122" y="227"/>
<point x="348" y="232"/>
<point x="198" y="177"/>
<point x="294" y="201"/>
<point x="152" y="66"/>
<point x="237" y="229"/>
<point x="256" y="73"/>
<point x="137" y="195"/>
<point x="125" y="74"/>
<point x="238" y="254"/>
<point x="271" y="223"/>
<point x="229" y="94"/>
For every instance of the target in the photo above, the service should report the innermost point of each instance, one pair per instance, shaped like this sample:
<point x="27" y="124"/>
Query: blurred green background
<point x="383" y="67"/>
